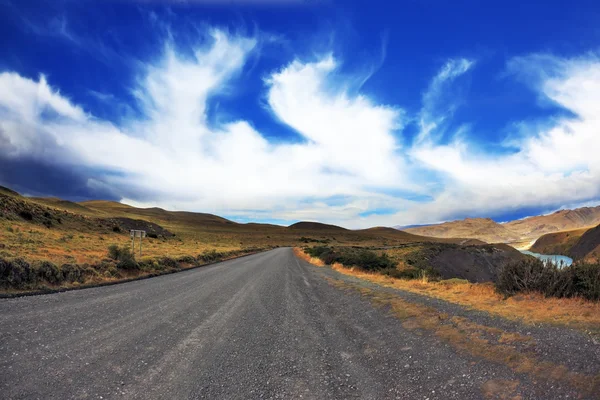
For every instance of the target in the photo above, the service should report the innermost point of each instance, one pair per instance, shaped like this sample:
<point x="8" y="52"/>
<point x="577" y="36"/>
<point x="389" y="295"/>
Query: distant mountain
<point x="316" y="226"/>
<point x="522" y="230"/>
<point x="484" y="229"/>
<point x="534" y="227"/>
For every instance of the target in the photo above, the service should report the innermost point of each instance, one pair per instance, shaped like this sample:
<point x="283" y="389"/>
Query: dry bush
<point x="578" y="280"/>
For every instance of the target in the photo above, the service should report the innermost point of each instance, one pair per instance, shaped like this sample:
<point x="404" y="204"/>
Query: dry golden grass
<point x="528" y="308"/>
<point x="490" y="343"/>
<point x="313" y="260"/>
<point x="35" y="242"/>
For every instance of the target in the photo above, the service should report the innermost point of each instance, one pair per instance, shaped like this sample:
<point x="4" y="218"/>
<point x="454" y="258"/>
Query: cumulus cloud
<point x="174" y="157"/>
<point x="556" y="165"/>
<point x="351" y="158"/>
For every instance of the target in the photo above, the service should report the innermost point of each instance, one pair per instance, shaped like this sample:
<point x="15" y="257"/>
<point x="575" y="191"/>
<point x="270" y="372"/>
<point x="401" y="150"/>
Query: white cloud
<point x="351" y="147"/>
<point x="558" y="164"/>
<point x="438" y="103"/>
<point x="176" y="158"/>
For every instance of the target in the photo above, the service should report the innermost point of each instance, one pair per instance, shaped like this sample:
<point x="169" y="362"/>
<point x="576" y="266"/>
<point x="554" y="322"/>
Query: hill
<point x="516" y="232"/>
<point x="562" y="220"/>
<point x="557" y="242"/>
<point x="66" y="232"/>
<point x="77" y="237"/>
<point x="315" y="226"/>
<point x="484" y="229"/>
<point x="588" y="246"/>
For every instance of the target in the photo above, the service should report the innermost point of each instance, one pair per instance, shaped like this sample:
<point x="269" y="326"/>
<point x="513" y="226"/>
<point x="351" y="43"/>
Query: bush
<point x="187" y="260"/>
<point x="169" y="262"/>
<point x="152" y="235"/>
<point x="532" y="275"/>
<point x="16" y="273"/>
<point x="586" y="280"/>
<point x="362" y="258"/>
<point x="408" y="273"/>
<point x="116" y="229"/>
<point x="47" y="271"/>
<point x="123" y="255"/>
<point x="210" y="256"/>
<point x="26" y="215"/>
<point x="72" y="273"/>
<point x="522" y="276"/>
<point x="20" y="274"/>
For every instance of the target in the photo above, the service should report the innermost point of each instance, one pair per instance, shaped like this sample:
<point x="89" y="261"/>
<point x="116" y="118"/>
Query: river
<point x="553" y="258"/>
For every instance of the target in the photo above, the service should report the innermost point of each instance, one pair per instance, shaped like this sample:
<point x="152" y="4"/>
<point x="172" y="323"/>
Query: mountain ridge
<point x="522" y="230"/>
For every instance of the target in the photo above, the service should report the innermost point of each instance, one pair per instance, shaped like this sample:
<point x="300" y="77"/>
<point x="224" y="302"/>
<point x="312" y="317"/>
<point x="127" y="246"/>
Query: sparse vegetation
<point x="530" y="307"/>
<point x="532" y="275"/>
<point x="18" y="274"/>
<point x="365" y="259"/>
<point x="47" y="271"/>
<point x="123" y="255"/>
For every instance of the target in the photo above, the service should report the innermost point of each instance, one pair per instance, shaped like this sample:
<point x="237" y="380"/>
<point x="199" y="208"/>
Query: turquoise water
<point x="554" y="259"/>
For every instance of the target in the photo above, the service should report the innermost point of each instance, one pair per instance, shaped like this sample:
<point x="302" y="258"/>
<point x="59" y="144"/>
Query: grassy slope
<point x="85" y="231"/>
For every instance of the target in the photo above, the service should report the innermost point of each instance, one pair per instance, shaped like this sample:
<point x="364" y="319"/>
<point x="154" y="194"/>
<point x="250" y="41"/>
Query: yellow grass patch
<point x="313" y="260"/>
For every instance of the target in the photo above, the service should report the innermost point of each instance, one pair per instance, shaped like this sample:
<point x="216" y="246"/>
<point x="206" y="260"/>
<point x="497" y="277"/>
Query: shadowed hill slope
<point x="315" y="226"/>
<point x="557" y="242"/>
<point x="588" y="246"/>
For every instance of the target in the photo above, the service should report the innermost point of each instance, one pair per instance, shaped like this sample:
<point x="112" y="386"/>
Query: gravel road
<point x="263" y="326"/>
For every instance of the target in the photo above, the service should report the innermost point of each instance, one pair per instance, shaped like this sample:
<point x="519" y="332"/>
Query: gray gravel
<point x="262" y="326"/>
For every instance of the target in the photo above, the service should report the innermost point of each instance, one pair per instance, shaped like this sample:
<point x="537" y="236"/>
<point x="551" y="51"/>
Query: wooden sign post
<point x="136" y="233"/>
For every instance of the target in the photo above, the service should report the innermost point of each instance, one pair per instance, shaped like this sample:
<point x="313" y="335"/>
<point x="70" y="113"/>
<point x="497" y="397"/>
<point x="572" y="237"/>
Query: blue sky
<point x="353" y="113"/>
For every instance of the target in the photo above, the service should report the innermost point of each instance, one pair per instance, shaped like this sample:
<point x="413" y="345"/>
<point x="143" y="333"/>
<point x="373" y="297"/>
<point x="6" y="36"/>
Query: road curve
<point x="262" y="326"/>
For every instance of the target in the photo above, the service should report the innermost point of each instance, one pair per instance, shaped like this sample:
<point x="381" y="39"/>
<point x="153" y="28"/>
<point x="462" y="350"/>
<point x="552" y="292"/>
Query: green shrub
<point x="123" y="255"/>
<point x="408" y="273"/>
<point x="111" y="272"/>
<point x="47" y="271"/>
<point x="20" y="274"/>
<point x="90" y="273"/>
<point x="26" y="215"/>
<point x="210" y="256"/>
<point x="169" y="262"/>
<point x="187" y="260"/>
<point x="586" y="280"/>
<point x="72" y="273"/>
<point x="359" y="257"/>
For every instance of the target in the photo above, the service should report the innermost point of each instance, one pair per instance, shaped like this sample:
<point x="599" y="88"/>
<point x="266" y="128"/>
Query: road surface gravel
<point x="262" y="326"/>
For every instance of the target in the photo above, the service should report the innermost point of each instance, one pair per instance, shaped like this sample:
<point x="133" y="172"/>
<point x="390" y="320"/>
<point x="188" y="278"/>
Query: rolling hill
<point x="64" y="232"/>
<point x="79" y="236"/>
